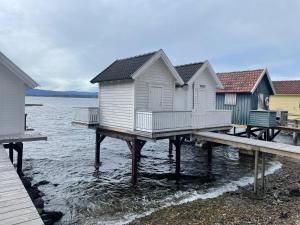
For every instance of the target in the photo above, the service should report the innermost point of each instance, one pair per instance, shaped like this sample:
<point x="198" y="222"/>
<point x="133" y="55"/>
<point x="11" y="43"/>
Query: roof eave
<point x="265" y="71"/>
<point x="156" y="56"/>
<point x="207" y="65"/>
<point x="28" y="81"/>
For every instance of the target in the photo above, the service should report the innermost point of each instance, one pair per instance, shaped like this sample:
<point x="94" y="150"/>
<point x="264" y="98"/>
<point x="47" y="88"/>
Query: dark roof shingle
<point x="187" y="71"/>
<point x="240" y="81"/>
<point x="123" y="69"/>
<point x="288" y="87"/>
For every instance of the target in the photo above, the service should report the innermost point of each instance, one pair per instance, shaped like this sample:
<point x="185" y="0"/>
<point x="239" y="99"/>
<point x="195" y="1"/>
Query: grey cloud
<point x="63" y="44"/>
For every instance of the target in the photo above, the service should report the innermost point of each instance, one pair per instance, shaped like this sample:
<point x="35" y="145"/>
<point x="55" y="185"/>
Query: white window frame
<point x="230" y="99"/>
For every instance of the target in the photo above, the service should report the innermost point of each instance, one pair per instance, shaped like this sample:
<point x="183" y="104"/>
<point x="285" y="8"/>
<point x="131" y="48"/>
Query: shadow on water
<point x="86" y="196"/>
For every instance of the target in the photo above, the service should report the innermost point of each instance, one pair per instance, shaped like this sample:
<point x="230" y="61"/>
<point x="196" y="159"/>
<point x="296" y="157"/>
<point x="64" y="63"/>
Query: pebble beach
<point x="279" y="204"/>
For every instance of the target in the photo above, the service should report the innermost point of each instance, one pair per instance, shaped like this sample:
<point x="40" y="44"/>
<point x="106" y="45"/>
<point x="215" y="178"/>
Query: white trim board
<point x="206" y="65"/>
<point x="265" y="71"/>
<point x="159" y="55"/>
<point x="28" y="81"/>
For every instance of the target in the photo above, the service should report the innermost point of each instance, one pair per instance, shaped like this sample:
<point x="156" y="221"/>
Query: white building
<point x="147" y="93"/>
<point x="13" y="83"/>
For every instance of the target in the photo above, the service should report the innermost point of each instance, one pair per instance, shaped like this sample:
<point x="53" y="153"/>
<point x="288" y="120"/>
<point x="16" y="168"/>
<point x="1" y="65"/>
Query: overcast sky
<point x="63" y="44"/>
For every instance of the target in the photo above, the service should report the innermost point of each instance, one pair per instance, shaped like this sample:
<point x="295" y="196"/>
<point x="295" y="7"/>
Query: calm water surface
<point x="108" y="197"/>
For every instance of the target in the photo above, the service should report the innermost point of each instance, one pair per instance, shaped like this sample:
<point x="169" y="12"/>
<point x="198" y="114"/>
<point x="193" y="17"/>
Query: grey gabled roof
<point x="187" y="71"/>
<point x="123" y="69"/>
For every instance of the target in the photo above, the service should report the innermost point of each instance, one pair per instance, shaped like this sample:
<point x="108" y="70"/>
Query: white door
<point x="201" y="100"/>
<point x="180" y="99"/>
<point x="155" y="98"/>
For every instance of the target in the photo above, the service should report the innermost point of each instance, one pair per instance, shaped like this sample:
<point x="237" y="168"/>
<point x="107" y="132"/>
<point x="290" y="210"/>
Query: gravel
<point x="280" y="204"/>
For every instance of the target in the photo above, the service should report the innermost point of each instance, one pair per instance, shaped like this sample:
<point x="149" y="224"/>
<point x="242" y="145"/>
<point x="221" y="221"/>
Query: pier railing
<point x="86" y="115"/>
<point x="180" y="120"/>
<point x="215" y="118"/>
<point x="163" y="120"/>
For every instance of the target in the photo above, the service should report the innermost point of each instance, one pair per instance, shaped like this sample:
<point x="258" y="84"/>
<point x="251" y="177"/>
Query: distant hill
<point x="71" y="94"/>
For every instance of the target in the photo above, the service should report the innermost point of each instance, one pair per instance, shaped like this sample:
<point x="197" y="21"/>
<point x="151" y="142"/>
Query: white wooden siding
<point x="204" y="79"/>
<point x="180" y="100"/>
<point x="116" y="105"/>
<point x="12" y="103"/>
<point x="157" y="74"/>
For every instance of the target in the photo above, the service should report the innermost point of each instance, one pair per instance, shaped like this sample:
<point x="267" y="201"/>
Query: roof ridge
<point x="242" y="71"/>
<point x="189" y="64"/>
<point x="136" y="56"/>
<point x="285" y="80"/>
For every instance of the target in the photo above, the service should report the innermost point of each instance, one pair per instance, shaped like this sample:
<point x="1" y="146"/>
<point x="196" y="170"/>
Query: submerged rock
<point x="43" y="182"/>
<point x="50" y="217"/>
<point x="38" y="202"/>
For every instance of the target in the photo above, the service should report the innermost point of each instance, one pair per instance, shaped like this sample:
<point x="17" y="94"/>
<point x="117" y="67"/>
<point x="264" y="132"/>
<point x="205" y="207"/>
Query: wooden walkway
<point x="16" y="206"/>
<point x="254" y="145"/>
<point x="251" y="144"/>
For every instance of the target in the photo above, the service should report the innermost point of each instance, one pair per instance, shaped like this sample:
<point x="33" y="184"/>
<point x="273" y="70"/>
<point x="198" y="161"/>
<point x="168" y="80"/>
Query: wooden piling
<point x="295" y="138"/>
<point x="97" y="150"/>
<point x="209" y="152"/>
<point x="170" y="148"/>
<point x="99" y="139"/>
<point x="11" y="153"/>
<point x="263" y="170"/>
<point x="178" y="155"/>
<point x="256" y="171"/>
<point x="19" y="149"/>
<point x="134" y="162"/>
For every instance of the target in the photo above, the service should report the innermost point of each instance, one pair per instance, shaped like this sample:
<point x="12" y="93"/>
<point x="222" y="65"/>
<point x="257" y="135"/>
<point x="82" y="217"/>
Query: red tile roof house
<point x="287" y="97"/>
<point x="244" y="91"/>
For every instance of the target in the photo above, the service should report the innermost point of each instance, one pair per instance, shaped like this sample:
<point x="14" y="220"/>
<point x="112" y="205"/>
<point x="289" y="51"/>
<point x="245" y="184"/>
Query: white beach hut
<point x="13" y="84"/>
<point x="147" y="93"/>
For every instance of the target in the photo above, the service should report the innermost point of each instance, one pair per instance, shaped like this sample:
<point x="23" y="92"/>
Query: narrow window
<point x="193" y="90"/>
<point x="230" y="99"/>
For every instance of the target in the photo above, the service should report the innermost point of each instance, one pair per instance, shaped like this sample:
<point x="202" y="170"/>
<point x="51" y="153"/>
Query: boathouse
<point x="147" y="93"/>
<point x="244" y="91"/>
<point x="287" y="98"/>
<point x="145" y="98"/>
<point x="13" y="84"/>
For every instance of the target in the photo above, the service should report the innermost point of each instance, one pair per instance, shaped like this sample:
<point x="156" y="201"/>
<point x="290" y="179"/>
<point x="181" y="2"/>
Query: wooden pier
<point x="15" y="143"/>
<point x="253" y="145"/>
<point x="137" y="139"/>
<point x="16" y="206"/>
<point x="259" y="132"/>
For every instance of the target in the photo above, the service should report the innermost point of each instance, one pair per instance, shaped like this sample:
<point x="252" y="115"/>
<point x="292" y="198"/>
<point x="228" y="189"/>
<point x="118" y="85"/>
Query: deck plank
<point x="16" y="206"/>
<point x="22" y="138"/>
<point x="275" y="148"/>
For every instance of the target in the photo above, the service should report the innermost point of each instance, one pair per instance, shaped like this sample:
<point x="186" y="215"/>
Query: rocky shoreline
<point x="48" y="217"/>
<point x="280" y="204"/>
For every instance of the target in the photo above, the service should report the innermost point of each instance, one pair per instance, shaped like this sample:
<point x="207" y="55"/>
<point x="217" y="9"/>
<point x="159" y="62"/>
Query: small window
<point x="230" y="99"/>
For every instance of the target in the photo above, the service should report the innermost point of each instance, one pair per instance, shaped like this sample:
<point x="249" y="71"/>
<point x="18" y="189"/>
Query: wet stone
<point x="294" y="192"/>
<point x="43" y="182"/>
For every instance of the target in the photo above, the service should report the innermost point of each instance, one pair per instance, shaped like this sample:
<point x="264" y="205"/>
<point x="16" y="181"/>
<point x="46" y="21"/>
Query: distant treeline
<point x="71" y="94"/>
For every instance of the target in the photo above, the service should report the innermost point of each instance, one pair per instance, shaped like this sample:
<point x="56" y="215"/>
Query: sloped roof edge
<point x="28" y="81"/>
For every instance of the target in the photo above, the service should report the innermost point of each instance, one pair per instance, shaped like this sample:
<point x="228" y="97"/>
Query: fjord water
<point x="66" y="160"/>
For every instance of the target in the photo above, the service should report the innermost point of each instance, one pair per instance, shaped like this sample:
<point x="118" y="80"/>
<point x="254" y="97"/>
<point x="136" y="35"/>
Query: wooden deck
<point x="16" y="206"/>
<point x="148" y="136"/>
<point x="27" y="137"/>
<point x="251" y="144"/>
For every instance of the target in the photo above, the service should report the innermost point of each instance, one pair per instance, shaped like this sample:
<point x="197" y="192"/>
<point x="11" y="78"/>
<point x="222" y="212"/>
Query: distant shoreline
<point x="63" y="94"/>
<point x="60" y="96"/>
